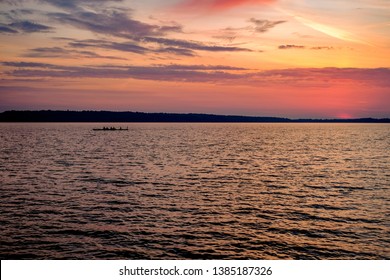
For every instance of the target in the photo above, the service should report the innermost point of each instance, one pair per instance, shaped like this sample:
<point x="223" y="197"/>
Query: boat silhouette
<point x="110" y="129"/>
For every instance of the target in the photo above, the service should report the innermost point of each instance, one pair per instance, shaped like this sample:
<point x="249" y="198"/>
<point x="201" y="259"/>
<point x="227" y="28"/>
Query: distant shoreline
<point x="123" y="117"/>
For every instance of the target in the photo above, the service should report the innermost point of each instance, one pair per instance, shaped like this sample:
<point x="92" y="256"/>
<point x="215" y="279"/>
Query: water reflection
<point x="162" y="191"/>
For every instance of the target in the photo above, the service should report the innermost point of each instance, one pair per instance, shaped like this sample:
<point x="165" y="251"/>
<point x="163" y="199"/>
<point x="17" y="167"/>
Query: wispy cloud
<point x="329" y="75"/>
<point x="207" y="73"/>
<point x="24" y="26"/>
<point x="130" y="47"/>
<point x="112" y="22"/>
<point x="202" y="67"/>
<point x="30" y="27"/>
<point x="301" y="35"/>
<point x="105" y="44"/>
<point x="331" y="31"/>
<point x="76" y="4"/>
<point x="194" y="45"/>
<point x="286" y="47"/>
<point x="228" y="34"/>
<point x="262" y="25"/>
<point x="175" y="51"/>
<point x="316" y="48"/>
<point x="7" y="29"/>
<point x="27" y="64"/>
<point x="157" y="73"/>
<point x="58" y="52"/>
<point x="322" y="48"/>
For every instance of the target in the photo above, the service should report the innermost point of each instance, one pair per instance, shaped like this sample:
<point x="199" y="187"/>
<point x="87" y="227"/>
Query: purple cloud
<point x="193" y="45"/>
<point x="24" y="26"/>
<point x="75" y="4"/>
<point x="112" y="22"/>
<point x="7" y="29"/>
<point x="206" y="73"/>
<point x="286" y="47"/>
<point x="65" y="53"/>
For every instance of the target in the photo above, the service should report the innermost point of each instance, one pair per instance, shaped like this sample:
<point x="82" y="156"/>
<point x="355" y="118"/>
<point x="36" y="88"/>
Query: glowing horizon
<point x="283" y="58"/>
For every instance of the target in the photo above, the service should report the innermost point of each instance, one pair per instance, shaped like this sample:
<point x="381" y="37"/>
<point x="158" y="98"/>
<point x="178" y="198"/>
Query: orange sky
<point x="318" y="59"/>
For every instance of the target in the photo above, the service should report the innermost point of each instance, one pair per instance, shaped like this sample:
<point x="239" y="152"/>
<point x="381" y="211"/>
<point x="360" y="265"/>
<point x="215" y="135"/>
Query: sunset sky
<point x="282" y="58"/>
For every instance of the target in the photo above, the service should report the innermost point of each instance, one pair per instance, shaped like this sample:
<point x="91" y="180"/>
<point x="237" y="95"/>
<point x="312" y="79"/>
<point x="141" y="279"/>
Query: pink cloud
<point x="219" y="5"/>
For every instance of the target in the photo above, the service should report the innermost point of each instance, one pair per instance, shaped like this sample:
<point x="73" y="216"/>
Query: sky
<point x="281" y="58"/>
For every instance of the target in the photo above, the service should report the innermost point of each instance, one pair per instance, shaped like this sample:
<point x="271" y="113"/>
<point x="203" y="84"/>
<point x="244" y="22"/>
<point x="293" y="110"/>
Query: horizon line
<point x="279" y="119"/>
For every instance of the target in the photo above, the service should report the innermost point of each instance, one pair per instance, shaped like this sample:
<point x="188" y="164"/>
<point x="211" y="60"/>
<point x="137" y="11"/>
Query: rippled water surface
<point x="207" y="191"/>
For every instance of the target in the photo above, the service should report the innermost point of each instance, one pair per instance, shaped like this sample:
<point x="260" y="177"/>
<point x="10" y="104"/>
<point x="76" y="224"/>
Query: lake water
<point x="195" y="191"/>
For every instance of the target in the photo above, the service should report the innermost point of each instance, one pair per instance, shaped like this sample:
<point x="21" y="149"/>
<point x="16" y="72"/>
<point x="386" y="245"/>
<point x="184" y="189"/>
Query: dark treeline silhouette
<point x="109" y="116"/>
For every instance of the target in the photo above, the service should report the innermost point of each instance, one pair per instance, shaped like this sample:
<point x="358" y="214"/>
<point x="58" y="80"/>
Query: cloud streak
<point x="76" y="4"/>
<point x="105" y="44"/>
<point x="112" y="22"/>
<point x="193" y="45"/>
<point x="7" y="29"/>
<point x="130" y="47"/>
<point x="331" y="31"/>
<point x="322" y="48"/>
<point x="58" y="52"/>
<point x="164" y="45"/>
<point x="319" y="48"/>
<point x="156" y="73"/>
<point x="286" y="47"/>
<point x="30" y="27"/>
<point x="24" y="26"/>
<point x="262" y="25"/>
<point x="207" y="73"/>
